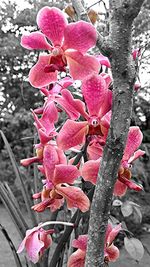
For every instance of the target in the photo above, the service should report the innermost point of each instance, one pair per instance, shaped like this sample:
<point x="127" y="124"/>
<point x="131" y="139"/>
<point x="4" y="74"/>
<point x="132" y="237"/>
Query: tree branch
<point x="123" y="71"/>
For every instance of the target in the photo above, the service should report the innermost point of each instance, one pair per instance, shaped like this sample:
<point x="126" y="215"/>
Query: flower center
<point x="94" y="121"/>
<point x="57" y="62"/>
<point x="57" y="51"/>
<point x="124" y="173"/>
<point x="94" y="126"/>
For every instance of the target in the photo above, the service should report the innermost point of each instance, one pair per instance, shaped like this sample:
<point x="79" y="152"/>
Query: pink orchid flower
<point x="46" y="131"/>
<point x="98" y="100"/>
<point x="90" y="169"/>
<point x="69" y="44"/>
<point x="66" y="102"/>
<point x="57" y="87"/>
<point x="111" y="252"/>
<point x="131" y="153"/>
<point x="59" y="177"/>
<point x="37" y="240"/>
<point x="62" y="99"/>
<point x="45" y="124"/>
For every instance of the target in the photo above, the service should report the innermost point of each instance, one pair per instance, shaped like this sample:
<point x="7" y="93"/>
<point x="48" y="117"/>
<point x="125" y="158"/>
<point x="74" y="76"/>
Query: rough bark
<point x="122" y="14"/>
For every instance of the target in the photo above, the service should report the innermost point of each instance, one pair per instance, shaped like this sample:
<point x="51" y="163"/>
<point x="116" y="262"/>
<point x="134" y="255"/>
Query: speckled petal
<point x="35" y="40"/>
<point x="37" y="75"/>
<point x="52" y="23"/>
<point x="89" y="170"/>
<point x="81" y="65"/>
<point x="71" y="134"/>
<point x="94" y="91"/>
<point x="75" y="197"/>
<point x="80" y="36"/>
<point x="134" y="140"/>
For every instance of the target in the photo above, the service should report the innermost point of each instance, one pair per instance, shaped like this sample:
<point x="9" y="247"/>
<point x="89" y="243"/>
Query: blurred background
<point x="17" y="97"/>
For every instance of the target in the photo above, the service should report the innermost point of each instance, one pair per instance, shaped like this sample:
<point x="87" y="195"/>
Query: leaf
<point x="12" y="247"/>
<point x="13" y="211"/>
<point x="20" y="179"/>
<point x="137" y="214"/>
<point x="126" y="209"/>
<point x="134" y="247"/>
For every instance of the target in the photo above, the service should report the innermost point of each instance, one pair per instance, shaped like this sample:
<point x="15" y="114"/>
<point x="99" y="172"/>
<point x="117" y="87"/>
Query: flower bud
<point x="93" y="16"/>
<point x="70" y="11"/>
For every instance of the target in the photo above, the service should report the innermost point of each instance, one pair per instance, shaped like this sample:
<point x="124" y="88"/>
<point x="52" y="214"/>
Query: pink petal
<point x="75" y="197"/>
<point x="21" y="246"/>
<point x="107" y="104"/>
<point x="136" y="53"/>
<point x="49" y="117"/>
<point x="29" y="233"/>
<point x="65" y="82"/>
<point x="71" y="134"/>
<point x="62" y="84"/>
<point x="107" y="77"/>
<point x="36" y="195"/>
<point x="38" y="110"/>
<point x="47" y="240"/>
<point x="136" y="155"/>
<point x="52" y="23"/>
<point x="80" y="36"/>
<point x="65" y="174"/>
<point x="130" y="184"/>
<point x="33" y="247"/>
<point x="137" y="86"/>
<point x="61" y="156"/>
<point x="105" y="122"/>
<point x="37" y="122"/>
<point x="77" y="259"/>
<point x="94" y="91"/>
<point x="37" y="75"/>
<point x="44" y="138"/>
<point x="103" y="60"/>
<point x="28" y="161"/>
<point x="81" y="242"/>
<point x="81" y="65"/>
<point x="119" y="189"/>
<point x="112" y="235"/>
<point x="50" y="159"/>
<point x="112" y="253"/>
<point x="56" y="204"/>
<point x="44" y="204"/>
<point x="134" y="140"/>
<point x="35" y="40"/>
<point x="44" y="91"/>
<point x="41" y="169"/>
<point x="94" y="150"/>
<point x="108" y="230"/>
<point x="69" y="104"/>
<point x="89" y="170"/>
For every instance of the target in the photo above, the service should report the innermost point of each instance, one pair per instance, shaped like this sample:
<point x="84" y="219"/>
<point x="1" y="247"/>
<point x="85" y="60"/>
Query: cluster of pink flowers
<point x="88" y="123"/>
<point x="111" y="252"/>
